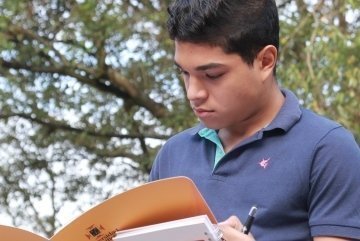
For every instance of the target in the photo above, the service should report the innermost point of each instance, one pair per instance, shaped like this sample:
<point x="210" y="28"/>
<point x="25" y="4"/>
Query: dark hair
<point x="237" y="26"/>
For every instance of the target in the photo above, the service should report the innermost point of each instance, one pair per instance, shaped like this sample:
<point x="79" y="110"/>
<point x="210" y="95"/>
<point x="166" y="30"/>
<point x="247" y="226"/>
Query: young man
<point x="254" y="143"/>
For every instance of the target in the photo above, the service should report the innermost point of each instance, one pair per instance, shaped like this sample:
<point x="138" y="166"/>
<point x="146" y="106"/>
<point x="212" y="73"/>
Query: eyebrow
<point x="204" y="67"/>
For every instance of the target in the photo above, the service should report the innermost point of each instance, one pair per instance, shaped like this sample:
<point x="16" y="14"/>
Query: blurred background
<point x="88" y="93"/>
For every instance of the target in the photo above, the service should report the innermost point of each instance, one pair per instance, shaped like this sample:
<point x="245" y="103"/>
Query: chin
<point x="212" y="125"/>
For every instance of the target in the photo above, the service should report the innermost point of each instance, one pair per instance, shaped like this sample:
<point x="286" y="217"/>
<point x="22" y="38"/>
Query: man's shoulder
<point x="318" y="121"/>
<point x="185" y="135"/>
<point x="304" y="122"/>
<point x="320" y="126"/>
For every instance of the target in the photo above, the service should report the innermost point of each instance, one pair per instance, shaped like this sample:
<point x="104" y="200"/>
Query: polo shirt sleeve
<point x="334" y="198"/>
<point x="161" y="166"/>
<point x="154" y="173"/>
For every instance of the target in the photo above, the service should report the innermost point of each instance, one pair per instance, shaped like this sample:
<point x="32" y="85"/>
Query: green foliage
<point x="88" y="88"/>
<point x="319" y="60"/>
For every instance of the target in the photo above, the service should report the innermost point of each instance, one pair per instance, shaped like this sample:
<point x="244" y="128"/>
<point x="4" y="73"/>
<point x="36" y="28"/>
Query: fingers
<point x="231" y="230"/>
<point x="231" y="234"/>
<point x="233" y="222"/>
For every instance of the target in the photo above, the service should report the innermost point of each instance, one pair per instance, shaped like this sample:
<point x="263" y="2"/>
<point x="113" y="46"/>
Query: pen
<point x="249" y="220"/>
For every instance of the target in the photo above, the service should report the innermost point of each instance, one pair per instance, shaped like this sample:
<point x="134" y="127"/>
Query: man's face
<point x="224" y="92"/>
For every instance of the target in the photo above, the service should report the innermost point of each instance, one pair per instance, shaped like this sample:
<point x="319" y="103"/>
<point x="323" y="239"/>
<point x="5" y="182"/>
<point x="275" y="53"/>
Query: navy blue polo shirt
<point x="302" y="172"/>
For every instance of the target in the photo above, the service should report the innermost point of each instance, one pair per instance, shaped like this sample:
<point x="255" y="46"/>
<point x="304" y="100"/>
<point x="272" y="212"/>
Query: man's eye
<point x="214" y="76"/>
<point x="183" y="74"/>
<point x="178" y="70"/>
<point x="181" y="71"/>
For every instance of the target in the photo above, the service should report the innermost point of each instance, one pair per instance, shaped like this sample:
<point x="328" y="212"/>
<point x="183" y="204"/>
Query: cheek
<point x="247" y="89"/>
<point x="237" y="99"/>
<point x="239" y="90"/>
<point x="229" y="99"/>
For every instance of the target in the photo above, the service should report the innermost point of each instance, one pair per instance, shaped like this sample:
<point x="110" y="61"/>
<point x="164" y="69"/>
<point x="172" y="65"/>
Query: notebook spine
<point x="218" y="233"/>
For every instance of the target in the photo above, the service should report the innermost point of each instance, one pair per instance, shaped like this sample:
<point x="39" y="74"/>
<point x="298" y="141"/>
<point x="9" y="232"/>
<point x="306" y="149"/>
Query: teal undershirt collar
<point x="212" y="136"/>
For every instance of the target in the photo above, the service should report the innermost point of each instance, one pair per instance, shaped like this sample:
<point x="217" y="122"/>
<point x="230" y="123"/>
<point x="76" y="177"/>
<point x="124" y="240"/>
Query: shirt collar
<point x="289" y="113"/>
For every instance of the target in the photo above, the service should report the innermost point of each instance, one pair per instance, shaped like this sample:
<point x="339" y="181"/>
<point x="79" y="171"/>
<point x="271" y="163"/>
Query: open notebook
<point x="154" y="202"/>
<point x="187" y="229"/>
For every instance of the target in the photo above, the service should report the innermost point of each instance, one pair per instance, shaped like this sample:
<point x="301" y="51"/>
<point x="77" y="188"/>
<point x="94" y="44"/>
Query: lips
<point x="201" y="113"/>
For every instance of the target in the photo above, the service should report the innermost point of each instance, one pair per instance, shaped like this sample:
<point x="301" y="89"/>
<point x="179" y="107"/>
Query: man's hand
<point x="231" y="230"/>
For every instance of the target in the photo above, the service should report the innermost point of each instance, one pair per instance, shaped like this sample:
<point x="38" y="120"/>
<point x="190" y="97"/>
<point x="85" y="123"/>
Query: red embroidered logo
<point x="264" y="163"/>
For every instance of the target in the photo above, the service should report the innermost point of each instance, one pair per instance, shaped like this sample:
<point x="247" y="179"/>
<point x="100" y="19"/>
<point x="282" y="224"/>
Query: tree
<point x="319" y="57"/>
<point x="87" y="96"/>
<point x="88" y="93"/>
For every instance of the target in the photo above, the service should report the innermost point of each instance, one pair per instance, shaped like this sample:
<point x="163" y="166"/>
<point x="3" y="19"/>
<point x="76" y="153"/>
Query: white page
<point x="188" y="229"/>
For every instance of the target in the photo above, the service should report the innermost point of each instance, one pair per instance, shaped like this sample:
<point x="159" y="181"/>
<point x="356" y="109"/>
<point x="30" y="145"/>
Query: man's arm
<point x="330" y="239"/>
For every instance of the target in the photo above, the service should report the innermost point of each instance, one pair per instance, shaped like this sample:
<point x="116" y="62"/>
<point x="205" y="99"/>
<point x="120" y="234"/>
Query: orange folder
<point x="8" y="233"/>
<point x="154" y="202"/>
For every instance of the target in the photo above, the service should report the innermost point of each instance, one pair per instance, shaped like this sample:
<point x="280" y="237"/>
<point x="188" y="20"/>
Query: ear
<point x="266" y="59"/>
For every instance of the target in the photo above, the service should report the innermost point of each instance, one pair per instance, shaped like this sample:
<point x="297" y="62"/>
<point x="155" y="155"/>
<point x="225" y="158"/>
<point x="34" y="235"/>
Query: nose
<point x="195" y="90"/>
